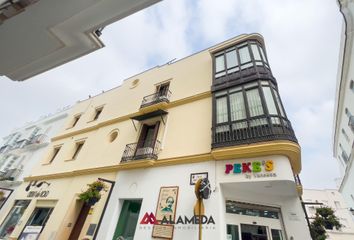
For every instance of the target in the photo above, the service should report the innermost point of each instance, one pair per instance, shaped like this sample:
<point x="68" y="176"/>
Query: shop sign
<point x="166" y="208"/>
<point x="37" y="189"/>
<point x="257" y="169"/>
<point x="31" y="233"/>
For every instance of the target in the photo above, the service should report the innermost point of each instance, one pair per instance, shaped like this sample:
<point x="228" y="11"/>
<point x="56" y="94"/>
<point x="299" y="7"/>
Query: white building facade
<point x="344" y="106"/>
<point x="251" y="160"/>
<point x="314" y="198"/>
<point x="20" y="151"/>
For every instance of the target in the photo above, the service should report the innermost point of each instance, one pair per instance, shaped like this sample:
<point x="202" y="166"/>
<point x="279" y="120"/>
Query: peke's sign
<point x="255" y="168"/>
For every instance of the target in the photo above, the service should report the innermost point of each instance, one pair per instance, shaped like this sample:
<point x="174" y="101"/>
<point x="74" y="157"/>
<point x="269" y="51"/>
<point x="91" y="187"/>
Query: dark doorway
<point x="75" y="233"/>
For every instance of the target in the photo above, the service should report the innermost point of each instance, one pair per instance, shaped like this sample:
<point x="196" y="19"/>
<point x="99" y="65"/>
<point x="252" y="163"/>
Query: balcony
<point x="256" y="129"/>
<point x="148" y="150"/>
<point x="38" y="141"/>
<point x="156" y="98"/>
<point x="10" y="174"/>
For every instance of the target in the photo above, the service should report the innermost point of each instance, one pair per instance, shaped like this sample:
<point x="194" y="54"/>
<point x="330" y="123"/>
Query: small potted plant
<point x="98" y="185"/>
<point x="92" y="195"/>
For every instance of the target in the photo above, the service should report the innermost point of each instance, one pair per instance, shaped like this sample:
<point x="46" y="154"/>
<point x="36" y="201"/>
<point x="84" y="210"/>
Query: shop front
<point x="54" y="209"/>
<point x="260" y="200"/>
<point x="250" y="199"/>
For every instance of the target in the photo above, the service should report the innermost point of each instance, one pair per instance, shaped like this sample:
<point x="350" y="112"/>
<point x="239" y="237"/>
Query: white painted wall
<point x="145" y="184"/>
<point x="333" y="199"/>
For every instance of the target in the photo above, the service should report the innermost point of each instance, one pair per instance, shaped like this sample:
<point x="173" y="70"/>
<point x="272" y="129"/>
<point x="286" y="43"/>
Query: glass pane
<point x="244" y="55"/>
<point x="219" y="63"/>
<point x="231" y="59"/>
<point x="254" y="103"/>
<point x="263" y="56"/>
<point x="258" y="122"/>
<point x="255" y="52"/>
<point x="279" y="103"/>
<point x="272" y="109"/>
<point x="232" y="232"/>
<point x="39" y="217"/>
<point x="221" y="110"/>
<point x="276" y="234"/>
<point x="237" y="106"/>
<point x="13" y="217"/>
<point x="252" y="232"/>
<point x="220" y="74"/>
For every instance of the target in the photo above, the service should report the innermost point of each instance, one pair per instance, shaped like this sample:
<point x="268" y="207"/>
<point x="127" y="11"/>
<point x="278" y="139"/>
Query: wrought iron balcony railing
<point x="156" y="98"/>
<point x="10" y="174"/>
<point x="148" y="150"/>
<point x="256" y="129"/>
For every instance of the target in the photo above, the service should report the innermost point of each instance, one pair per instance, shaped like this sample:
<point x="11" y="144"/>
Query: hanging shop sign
<point x="166" y="209"/>
<point x="37" y="189"/>
<point x="257" y="169"/>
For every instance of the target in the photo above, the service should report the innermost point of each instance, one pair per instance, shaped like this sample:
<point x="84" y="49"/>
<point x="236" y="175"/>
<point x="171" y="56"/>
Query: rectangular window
<point x="162" y="91"/>
<point x="237" y="106"/>
<point x="76" y="119"/>
<point x="254" y="103"/>
<point x="128" y="220"/>
<point x="272" y="109"/>
<point x="255" y="52"/>
<point x="55" y="153"/>
<point x="263" y="55"/>
<point x="219" y="63"/>
<point x="98" y="111"/>
<point x="231" y="59"/>
<point x="277" y="98"/>
<point x="244" y="55"/>
<point x="78" y="149"/>
<point x="39" y="216"/>
<point x="221" y="110"/>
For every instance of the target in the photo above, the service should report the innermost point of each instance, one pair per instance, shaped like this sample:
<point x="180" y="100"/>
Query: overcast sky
<point x="302" y="41"/>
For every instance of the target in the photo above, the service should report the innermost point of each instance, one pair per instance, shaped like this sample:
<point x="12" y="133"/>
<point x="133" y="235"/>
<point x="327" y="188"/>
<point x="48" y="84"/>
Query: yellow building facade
<point x="158" y="133"/>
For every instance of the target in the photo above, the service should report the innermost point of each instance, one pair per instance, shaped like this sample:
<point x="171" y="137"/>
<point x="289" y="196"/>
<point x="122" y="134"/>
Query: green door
<point x="128" y="220"/>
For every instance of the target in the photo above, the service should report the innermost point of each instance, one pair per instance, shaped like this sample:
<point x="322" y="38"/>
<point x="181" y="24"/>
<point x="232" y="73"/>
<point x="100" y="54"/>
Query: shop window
<point x="277" y="234"/>
<point x="248" y="210"/>
<point x="253" y="232"/>
<point x="12" y="219"/>
<point x="98" y="112"/>
<point x="232" y="232"/>
<point x="128" y="219"/>
<point x="39" y="216"/>
<point x="78" y="148"/>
